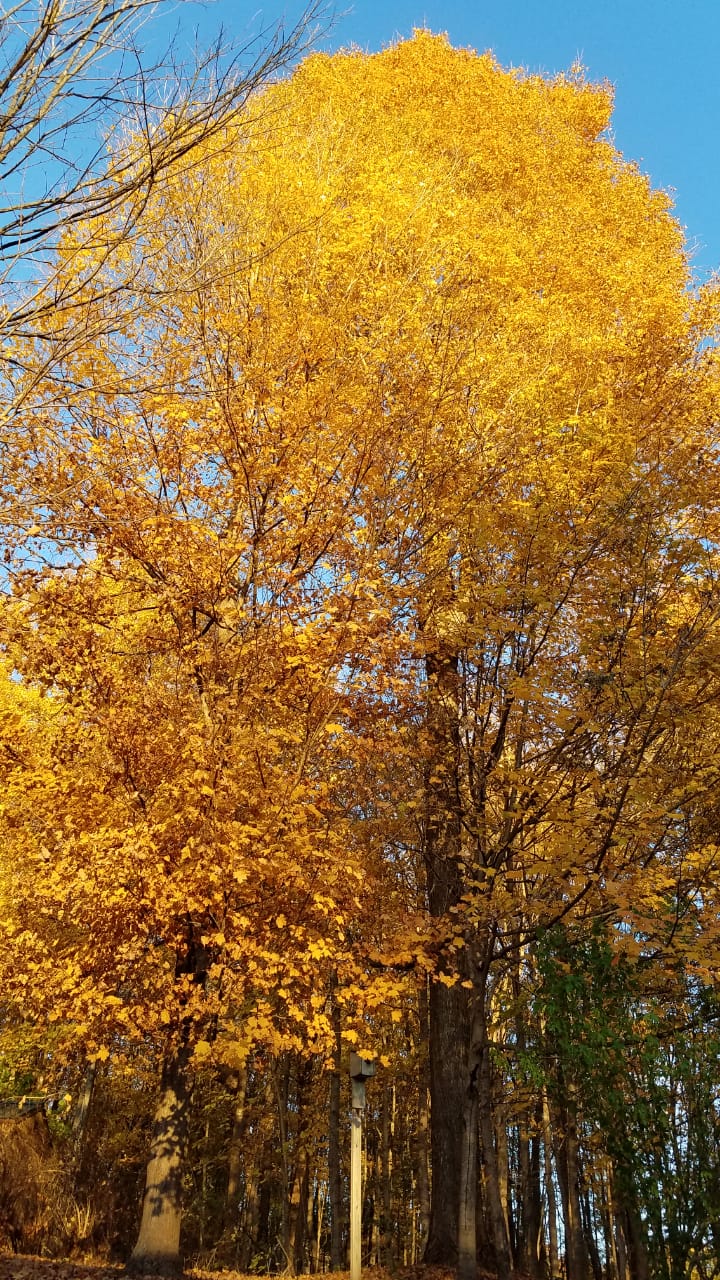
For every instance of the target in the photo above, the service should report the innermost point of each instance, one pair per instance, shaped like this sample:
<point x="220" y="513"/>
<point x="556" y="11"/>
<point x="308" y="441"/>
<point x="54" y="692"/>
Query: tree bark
<point x="467" y="1219"/>
<point x="635" y="1237"/>
<point x="387" y="1134"/>
<point x="235" y="1153"/>
<point x="448" y="1006"/>
<point x="421" y="1137"/>
<point x="552" y="1240"/>
<point x="82" y="1111"/>
<point x="298" y="1212"/>
<point x="568" y="1167"/>
<point x="498" y="1222"/>
<point x="335" y="1190"/>
<point x="157" y="1251"/>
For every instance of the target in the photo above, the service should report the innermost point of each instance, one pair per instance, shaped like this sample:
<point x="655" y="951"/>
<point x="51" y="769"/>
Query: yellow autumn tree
<point x="385" y="542"/>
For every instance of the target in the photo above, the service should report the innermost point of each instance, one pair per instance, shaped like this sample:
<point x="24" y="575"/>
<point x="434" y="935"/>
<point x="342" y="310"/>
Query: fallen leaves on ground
<point x="23" y="1267"/>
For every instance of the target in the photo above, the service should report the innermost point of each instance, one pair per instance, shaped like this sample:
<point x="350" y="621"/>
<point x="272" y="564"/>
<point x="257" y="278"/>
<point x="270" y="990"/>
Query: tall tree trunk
<point x="529" y="1157"/>
<point x="335" y="1190"/>
<point x="569" y="1175"/>
<point x="235" y="1152"/>
<point x="319" y="1199"/>
<point x="448" y="1083"/>
<point x="448" y="1007"/>
<point x="281" y="1078"/>
<point x="298" y="1212"/>
<point x="589" y="1232"/>
<point x="530" y="1198"/>
<point x="496" y="1212"/>
<point x="503" y="1165"/>
<point x="485" y="1249"/>
<point x="548" y="1145"/>
<point x="157" y="1251"/>
<point x="421" y="1148"/>
<point x="387" y="1125"/>
<point x="635" y="1236"/>
<point x="609" y="1244"/>
<point x="467" y="1223"/>
<point x="257" y="1162"/>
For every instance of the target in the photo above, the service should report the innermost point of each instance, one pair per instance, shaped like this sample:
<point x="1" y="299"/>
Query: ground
<point x="22" y="1267"/>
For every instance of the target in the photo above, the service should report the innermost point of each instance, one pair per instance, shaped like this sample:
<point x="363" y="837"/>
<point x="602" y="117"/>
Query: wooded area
<point x="360" y="690"/>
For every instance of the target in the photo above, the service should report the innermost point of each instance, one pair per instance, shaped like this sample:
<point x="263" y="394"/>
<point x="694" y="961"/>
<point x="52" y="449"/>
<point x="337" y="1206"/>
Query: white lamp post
<point x="361" y="1069"/>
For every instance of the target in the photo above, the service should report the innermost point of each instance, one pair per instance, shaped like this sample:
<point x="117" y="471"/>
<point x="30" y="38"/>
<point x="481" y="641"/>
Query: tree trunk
<point x="467" y="1223"/>
<point x="259" y="1159"/>
<point x="590" y="1240"/>
<point x="503" y="1167"/>
<point x="235" y="1145"/>
<point x="298" y="1212"/>
<point x="569" y="1175"/>
<point x="82" y="1111"/>
<point x="387" y="1134"/>
<point x="529" y="1157"/>
<point x="157" y="1251"/>
<point x="448" y="1007"/>
<point x="335" y="1189"/>
<point x="498" y="1222"/>
<point x="448" y="1080"/>
<point x="231" y="1207"/>
<point x="635" y="1237"/>
<point x="421" y="1152"/>
<point x="552" y="1239"/>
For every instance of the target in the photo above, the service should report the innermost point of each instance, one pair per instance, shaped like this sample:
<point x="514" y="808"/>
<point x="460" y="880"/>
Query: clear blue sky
<point x="662" y="56"/>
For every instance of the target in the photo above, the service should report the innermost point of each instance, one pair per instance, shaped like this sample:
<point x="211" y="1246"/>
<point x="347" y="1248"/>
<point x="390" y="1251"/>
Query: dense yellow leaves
<point x="435" y="389"/>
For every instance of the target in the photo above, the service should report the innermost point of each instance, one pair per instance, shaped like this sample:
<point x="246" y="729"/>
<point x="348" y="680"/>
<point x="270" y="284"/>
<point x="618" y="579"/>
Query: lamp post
<point x="361" y="1069"/>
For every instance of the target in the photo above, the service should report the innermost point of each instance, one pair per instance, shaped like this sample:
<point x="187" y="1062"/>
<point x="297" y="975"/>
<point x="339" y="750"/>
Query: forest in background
<point x="360" y="691"/>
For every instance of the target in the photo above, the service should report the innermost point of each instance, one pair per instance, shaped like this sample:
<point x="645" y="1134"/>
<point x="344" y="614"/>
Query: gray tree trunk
<point x="157" y="1251"/>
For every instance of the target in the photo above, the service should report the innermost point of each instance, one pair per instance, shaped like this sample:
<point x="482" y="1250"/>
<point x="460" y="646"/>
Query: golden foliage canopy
<point x="434" y="381"/>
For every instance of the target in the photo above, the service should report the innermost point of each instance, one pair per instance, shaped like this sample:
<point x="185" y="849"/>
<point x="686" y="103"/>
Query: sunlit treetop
<point x="413" y="365"/>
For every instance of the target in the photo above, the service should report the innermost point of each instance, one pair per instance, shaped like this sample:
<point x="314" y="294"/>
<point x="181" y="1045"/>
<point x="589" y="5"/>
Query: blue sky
<point x="662" y="56"/>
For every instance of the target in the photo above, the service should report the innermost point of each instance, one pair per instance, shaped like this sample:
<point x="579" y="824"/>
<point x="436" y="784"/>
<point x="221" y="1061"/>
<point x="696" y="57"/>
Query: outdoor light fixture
<point x="361" y="1070"/>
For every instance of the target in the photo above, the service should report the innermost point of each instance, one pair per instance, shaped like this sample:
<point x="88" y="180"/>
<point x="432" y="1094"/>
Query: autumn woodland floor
<point x="22" y="1267"/>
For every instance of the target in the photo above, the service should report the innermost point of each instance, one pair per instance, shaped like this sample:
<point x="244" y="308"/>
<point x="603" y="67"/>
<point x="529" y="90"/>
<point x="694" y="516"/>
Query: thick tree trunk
<point x="496" y="1213"/>
<point x="157" y="1251"/>
<point x="448" y="1082"/>
<point x="467" y="1220"/>
<point x="448" y="1008"/>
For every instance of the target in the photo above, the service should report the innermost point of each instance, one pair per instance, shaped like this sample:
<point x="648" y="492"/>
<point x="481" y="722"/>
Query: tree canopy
<point x="361" y="575"/>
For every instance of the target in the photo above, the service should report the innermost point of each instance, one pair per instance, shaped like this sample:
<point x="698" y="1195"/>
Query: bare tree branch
<point x="74" y="87"/>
